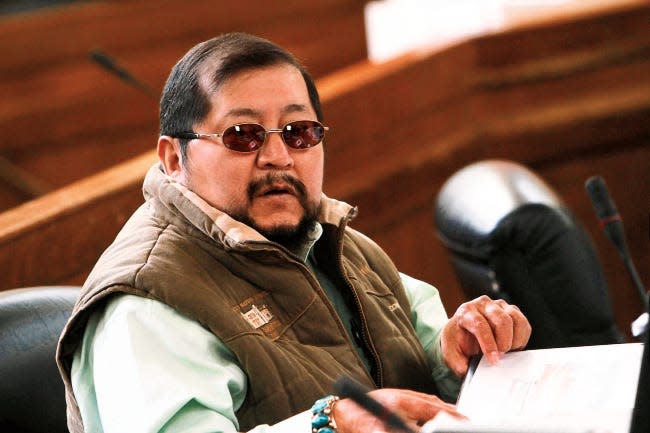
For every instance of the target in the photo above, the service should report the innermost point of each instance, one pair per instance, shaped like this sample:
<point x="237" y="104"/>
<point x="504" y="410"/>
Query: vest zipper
<point x="336" y="316"/>
<point x="321" y="292"/>
<point x="378" y="378"/>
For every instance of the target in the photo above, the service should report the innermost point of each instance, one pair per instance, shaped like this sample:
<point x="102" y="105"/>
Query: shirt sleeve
<point x="143" y="367"/>
<point x="429" y="318"/>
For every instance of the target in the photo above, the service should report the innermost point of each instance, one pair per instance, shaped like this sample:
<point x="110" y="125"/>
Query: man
<point x="237" y="294"/>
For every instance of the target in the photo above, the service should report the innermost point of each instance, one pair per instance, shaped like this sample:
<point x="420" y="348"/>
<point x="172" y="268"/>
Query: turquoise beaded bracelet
<point x="321" y="419"/>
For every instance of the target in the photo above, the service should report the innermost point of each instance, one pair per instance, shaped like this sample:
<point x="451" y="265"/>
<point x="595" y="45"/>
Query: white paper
<point x="589" y="388"/>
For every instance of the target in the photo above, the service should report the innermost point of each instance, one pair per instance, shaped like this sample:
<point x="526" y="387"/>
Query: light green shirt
<point x="143" y="367"/>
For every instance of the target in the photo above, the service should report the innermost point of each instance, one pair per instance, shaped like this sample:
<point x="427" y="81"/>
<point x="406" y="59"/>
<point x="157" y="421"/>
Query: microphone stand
<point x="640" y="422"/>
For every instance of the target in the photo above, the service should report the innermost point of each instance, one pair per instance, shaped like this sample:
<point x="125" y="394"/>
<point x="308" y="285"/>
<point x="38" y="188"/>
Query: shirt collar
<point x="302" y="251"/>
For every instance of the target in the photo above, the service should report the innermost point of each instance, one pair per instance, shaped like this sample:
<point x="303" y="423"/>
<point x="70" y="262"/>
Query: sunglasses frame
<point x="189" y="135"/>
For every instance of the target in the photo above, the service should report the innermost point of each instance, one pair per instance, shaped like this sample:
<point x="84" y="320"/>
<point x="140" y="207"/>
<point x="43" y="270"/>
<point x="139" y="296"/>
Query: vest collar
<point x="219" y="225"/>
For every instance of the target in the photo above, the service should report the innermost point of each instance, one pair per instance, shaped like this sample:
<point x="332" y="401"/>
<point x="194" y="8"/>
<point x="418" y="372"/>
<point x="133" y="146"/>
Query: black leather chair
<point x="510" y="236"/>
<point x="32" y="398"/>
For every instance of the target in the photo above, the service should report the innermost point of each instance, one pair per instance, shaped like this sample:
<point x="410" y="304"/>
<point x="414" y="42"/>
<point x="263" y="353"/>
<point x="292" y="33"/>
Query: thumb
<point x="456" y="345"/>
<point x="458" y="363"/>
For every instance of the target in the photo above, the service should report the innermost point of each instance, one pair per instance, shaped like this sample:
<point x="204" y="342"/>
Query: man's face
<point x="274" y="187"/>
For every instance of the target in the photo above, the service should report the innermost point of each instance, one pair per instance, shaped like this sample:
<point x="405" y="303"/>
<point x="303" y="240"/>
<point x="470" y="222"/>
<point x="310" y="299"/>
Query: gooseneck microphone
<point x="612" y="224"/>
<point x="111" y="65"/>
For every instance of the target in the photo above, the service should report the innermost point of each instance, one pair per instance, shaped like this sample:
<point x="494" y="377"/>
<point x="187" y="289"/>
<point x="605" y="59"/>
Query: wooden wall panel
<point x="66" y="118"/>
<point x="400" y="129"/>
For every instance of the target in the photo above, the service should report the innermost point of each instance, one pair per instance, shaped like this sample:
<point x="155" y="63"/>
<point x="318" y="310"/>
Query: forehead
<point x="261" y="90"/>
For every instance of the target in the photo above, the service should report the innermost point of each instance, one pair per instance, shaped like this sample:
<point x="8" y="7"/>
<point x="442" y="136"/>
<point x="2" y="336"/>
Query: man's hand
<point x="483" y="325"/>
<point x="415" y="408"/>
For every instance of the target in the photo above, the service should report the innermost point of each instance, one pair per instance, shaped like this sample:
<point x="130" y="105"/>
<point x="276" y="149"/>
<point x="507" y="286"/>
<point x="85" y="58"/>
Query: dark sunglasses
<point x="249" y="137"/>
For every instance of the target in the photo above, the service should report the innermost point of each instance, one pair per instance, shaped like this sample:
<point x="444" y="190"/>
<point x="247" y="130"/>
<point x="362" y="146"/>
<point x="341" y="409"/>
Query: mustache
<point x="272" y="178"/>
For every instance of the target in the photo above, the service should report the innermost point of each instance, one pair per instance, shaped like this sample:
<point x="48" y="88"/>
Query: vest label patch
<point x="258" y="315"/>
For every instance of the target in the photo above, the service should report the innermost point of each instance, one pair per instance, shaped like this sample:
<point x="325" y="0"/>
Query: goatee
<point x="291" y="237"/>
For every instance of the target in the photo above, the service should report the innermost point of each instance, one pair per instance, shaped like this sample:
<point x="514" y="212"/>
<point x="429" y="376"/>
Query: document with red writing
<point x="573" y="389"/>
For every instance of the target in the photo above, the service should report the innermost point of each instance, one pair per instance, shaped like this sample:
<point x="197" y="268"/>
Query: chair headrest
<point x="31" y="320"/>
<point x="473" y="201"/>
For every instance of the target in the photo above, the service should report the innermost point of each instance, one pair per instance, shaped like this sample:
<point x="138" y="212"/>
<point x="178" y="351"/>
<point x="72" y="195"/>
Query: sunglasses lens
<point x="245" y="137"/>
<point x="303" y="134"/>
<point x="248" y="137"/>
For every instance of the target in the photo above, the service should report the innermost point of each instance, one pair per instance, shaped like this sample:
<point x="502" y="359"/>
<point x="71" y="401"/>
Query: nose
<point x="274" y="153"/>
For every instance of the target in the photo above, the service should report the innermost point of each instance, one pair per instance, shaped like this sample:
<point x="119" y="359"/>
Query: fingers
<point x="413" y="407"/>
<point x="521" y="326"/>
<point x="501" y="324"/>
<point x="473" y="318"/>
<point x="497" y="326"/>
<point x="425" y="406"/>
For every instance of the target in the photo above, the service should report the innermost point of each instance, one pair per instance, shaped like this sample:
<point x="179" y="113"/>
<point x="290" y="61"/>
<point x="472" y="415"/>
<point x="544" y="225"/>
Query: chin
<point x="284" y="227"/>
<point x="277" y="231"/>
<point x="287" y="234"/>
<point x="277" y="222"/>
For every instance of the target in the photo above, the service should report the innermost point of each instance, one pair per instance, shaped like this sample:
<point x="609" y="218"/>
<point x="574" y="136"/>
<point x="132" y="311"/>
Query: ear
<point x="169" y="154"/>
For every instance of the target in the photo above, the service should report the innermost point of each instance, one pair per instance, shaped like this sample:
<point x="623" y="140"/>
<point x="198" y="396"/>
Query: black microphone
<point x="612" y="224"/>
<point x="346" y="387"/>
<point x="110" y="65"/>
